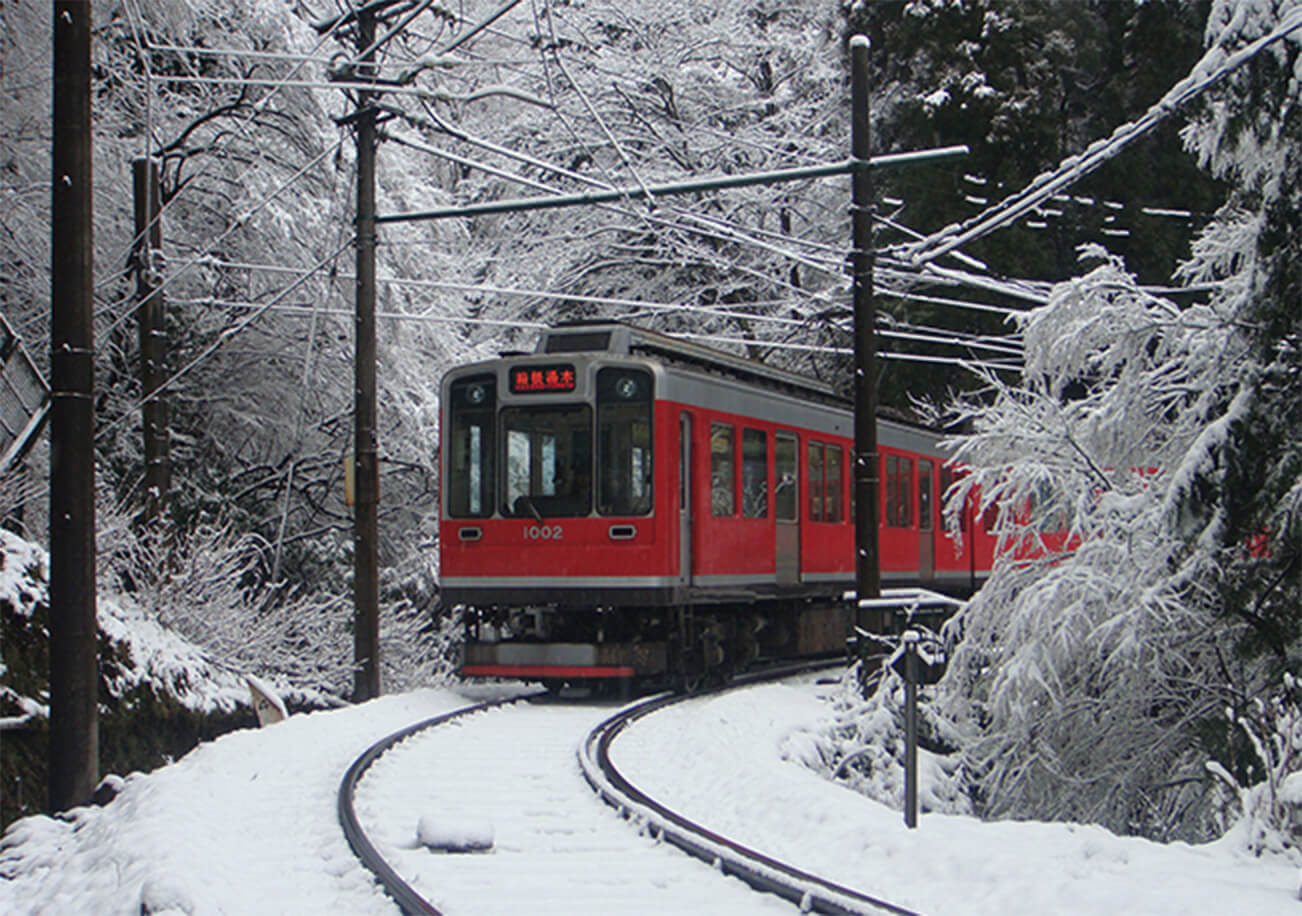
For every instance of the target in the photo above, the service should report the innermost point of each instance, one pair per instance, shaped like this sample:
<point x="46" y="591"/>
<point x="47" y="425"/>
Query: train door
<point x="926" y="529"/>
<point x="786" y="507"/>
<point x="685" y="499"/>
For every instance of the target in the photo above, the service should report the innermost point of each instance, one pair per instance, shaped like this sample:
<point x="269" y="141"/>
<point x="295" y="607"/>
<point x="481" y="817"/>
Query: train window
<point x="547" y="461"/>
<point x="624" y="441"/>
<point x="816" y="481"/>
<point x="904" y="486"/>
<point x="888" y="487"/>
<point x="947" y="479"/>
<point x="825" y="482"/>
<point x="990" y="518"/>
<point x="832" y="487"/>
<point x="470" y="455"/>
<point x="898" y="484"/>
<point x="754" y="473"/>
<point x="924" y="495"/>
<point x="723" y="470"/>
<point x="786" y="494"/>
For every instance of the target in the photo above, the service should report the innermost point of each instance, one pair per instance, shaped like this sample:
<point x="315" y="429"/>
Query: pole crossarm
<point x="777" y="176"/>
<point x="373" y="10"/>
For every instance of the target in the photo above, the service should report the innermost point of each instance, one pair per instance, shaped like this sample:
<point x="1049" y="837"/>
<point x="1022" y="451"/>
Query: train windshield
<point x="470" y="447"/>
<point x="623" y="441"/>
<point x="547" y="461"/>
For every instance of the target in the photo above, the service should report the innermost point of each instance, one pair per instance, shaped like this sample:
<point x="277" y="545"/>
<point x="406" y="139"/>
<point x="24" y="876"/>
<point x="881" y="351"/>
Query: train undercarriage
<point x="679" y="647"/>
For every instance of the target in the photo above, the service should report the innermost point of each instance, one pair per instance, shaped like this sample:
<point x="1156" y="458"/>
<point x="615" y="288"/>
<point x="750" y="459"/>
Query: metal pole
<point x="910" y="638"/>
<point x="366" y="623"/>
<point x="153" y="334"/>
<point x="867" y="570"/>
<point x="74" y="724"/>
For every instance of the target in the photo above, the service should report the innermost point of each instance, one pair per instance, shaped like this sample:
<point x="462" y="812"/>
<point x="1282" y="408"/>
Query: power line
<point x="221" y="340"/>
<point x="886" y="327"/>
<point x="827" y="297"/>
<point x="174" y="276"/>
<point x="1210" y="69"/>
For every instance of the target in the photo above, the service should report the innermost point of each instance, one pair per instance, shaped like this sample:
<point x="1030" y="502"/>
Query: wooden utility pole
<point x="366" y="623"/>
<point x="74" y="723"/>
<point x="867" y="568"/>
<point x="153" y="334"/>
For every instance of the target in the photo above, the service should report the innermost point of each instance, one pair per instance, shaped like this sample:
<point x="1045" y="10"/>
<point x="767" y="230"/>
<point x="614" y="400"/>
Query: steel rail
<point x="402" y="893"/>
<point x="808" y="891"/>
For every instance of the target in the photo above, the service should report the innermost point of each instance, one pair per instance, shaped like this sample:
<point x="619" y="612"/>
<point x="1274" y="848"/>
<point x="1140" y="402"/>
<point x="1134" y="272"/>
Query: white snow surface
<point x="246" y="824"/>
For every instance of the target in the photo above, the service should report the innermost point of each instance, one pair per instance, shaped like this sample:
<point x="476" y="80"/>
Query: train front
<point x="550" y="535"/>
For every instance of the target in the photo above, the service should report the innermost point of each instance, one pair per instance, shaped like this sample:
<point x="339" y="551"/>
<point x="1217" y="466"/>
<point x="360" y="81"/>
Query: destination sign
<point x="540" y="379"/>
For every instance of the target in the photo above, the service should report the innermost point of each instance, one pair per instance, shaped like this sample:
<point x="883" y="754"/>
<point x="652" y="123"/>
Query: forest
<point x="1125" y="355"/>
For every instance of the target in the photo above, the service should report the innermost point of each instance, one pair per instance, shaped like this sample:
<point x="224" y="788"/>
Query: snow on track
<point x="730" y="762"/>
<point x="557" y="848"/>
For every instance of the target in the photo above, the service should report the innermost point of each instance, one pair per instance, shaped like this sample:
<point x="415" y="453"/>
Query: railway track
<point x="550" y="834"/>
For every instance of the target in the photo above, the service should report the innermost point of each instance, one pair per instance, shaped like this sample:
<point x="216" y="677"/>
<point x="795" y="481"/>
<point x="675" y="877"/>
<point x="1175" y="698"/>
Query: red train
<point x="622" y="504"/>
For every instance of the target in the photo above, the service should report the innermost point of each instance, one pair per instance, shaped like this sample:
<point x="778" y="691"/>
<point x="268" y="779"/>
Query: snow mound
<point x="164" y="897"/>
<point x="438" y="832"/>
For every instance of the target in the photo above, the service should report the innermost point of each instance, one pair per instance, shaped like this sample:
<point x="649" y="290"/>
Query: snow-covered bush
<point x="863" y="746"/>
<point x="215" y="587"/>
<point x="1163" y="435"/>
<point x="1271" y="808"/>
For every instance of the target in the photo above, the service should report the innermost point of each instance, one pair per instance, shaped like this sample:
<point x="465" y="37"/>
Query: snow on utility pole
<point x="366" y="623"/>
<point x="153" y="334"/>
<point x="74" y="725"/>
<point x="867" y="570"/>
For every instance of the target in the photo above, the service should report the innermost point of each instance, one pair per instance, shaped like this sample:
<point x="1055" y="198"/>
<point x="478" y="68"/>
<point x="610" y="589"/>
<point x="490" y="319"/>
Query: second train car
<point x="621" y="504"/>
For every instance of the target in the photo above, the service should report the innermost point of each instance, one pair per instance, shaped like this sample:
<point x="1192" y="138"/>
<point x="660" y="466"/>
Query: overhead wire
<point x="717" y="225"/>
<point x="143" y="45"/>
<point x="174" y="276"/>
<point x="240" y="127"/>
<point x="222" y="338"/>
<point x="617" y="302"/>
<point x="1214" y="65"/>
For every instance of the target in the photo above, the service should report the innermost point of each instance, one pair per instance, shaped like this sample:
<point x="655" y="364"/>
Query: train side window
<point x="888" y="487"/>
<point x="906" y="492"/>
<point x="723" y="470"/>
<point x="924" y="495"/>
<point x="754" y="473"/>
<point x="815" y="481"/>
<point x="905" y="486"/>
<point x="832" y="485"/>
<point x="898" y="484"/>
<point x="786" y="494"/>
<point x="947" y="479"/>
<point x="990" y="519"/>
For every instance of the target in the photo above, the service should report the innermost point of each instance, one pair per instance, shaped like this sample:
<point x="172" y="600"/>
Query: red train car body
<point x="623" y="504"/>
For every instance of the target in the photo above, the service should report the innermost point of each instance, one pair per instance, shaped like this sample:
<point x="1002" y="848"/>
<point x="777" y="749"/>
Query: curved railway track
<point x="402" y="893"/>
<point x="810" y="892"/>
<point x="807" y="891"/>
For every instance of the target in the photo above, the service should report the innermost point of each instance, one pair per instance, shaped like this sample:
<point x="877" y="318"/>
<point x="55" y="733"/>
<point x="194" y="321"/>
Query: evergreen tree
<point x="1164" y="437"/>
<point x="1025" y="84"/>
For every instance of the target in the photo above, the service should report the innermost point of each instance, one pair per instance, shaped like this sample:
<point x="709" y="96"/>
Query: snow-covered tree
<point x="1164" y="438"/>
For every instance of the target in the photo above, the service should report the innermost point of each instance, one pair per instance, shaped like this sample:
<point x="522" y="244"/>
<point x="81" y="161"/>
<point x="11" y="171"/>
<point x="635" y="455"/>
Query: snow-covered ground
<point x="246" y="824"/>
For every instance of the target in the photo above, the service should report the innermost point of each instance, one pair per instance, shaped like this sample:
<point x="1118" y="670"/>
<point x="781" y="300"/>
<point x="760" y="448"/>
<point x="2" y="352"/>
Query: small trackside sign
<point x="542" y="379"/>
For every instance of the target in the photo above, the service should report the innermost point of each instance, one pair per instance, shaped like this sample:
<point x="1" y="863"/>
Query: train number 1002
<point x="542" y="532"/>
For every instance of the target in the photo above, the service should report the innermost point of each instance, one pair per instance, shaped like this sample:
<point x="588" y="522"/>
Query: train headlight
<point x="626" y="388"/>
<point x="476" y="394"/>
